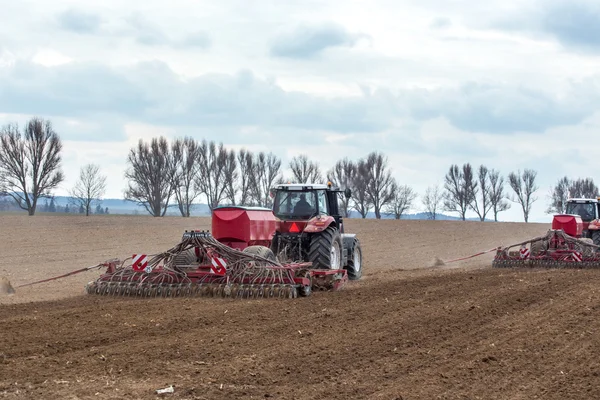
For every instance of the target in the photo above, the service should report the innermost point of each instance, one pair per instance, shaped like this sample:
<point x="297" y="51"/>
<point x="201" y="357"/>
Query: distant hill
<point x="122" y="206"/>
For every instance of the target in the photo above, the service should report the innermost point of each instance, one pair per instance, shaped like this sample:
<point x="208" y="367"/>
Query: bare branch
<point x="231" y="176"/>
<point x="30" y="163"/>
<point x="432" y="200"/>
<point x="247" y="172"/>
<point x="304" y="170"/>
<point x="497" y="194"/>
<point x="381" y="186"/>
<point x="482" y="204"/>
<point x="524" y="186"/>
<point x="404" y="197"/>
<point x="360" y="182"/>
<point x="267" y="172"/>
<point x="152" y="175"/>
<point x="343" y="174"/>
<point x="186" y="156"/>
<point x="210" y="180"/>
<point x="460" y="189"/>
<point x="89" y="189"/>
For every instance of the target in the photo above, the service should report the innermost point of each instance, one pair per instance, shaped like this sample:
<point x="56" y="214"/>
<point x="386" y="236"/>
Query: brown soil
<point x="405" y="331"/>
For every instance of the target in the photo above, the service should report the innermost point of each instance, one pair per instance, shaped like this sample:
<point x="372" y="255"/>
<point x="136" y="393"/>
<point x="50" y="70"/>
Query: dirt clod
<point x="5" y="286"/>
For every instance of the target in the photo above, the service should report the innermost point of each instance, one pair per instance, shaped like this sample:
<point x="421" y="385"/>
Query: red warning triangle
<point x="294" y="228"/>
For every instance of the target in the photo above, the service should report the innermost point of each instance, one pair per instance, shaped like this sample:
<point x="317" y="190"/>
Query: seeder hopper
<point x="562" y="247"/>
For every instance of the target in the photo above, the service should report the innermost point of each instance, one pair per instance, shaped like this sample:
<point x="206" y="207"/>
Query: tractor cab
<point x="310" y="228"/>
<point x="588" y="210"/>
<point x="302" y="202"/>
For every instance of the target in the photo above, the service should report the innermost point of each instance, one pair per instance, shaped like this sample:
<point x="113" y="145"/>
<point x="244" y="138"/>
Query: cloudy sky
<point x="511" y="84"/>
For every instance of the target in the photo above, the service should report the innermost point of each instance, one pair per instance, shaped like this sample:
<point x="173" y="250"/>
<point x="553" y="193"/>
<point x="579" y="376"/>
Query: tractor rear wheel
<point x="355" y="262"/>
<point x="326" y="249"/>
<point x="261" y="251"/>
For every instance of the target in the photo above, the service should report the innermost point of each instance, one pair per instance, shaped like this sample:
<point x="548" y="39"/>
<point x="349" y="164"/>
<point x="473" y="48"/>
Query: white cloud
<point x="436" y="82"/>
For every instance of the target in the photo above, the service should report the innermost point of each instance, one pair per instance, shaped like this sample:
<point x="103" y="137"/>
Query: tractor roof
<point x="582" y="200"/>
<point x="301" y="186"/>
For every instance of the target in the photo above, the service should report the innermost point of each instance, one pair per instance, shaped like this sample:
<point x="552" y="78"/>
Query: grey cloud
<point x="136" y="26"/>
<point x="151" y="92"/>
<point x="574" y="23"/>
<point x="198" y="39"/>
<point x="78" y="21"/>
<point x="440" y="23"/>
<point x="308" y="41"/>
<point x="145" y="32"/>
<point x="503" y="109"/>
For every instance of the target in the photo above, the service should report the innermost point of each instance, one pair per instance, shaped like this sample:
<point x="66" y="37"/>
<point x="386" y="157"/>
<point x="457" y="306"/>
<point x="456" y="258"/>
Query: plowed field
<point x="405" y="331"/>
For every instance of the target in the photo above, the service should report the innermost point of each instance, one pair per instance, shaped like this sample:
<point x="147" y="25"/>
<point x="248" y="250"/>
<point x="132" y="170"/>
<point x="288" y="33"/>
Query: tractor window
<point x="294" y="204"/>
<point x="322" y="200"/>
<point x="585" y="210"/>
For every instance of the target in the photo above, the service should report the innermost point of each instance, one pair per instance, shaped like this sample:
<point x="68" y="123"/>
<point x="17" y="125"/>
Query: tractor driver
<point x="302" y="207"/>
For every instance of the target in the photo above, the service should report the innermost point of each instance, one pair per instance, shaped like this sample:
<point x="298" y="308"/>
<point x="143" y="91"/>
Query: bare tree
<point x="460" y="189"/>
<point x="404" y="196"/>
<point x="482" y="204"/>
<point x="152" y="175"/>
<point x="524" y="186"/>
<point x="360" y="182"/>
<point x="231" y="175"/>
<point x="380" y="183"/>
<point x="210" y="177"/>
<point x="89" y="189"/>
<point x="342" y="174"/>
<point x="247" y="172"/>
<point x="186" y="154"/>
<point x="497" y="194"/>
<point x="583" y="188"/>
<point x="30" y="163"/>
<point x="267" y="172"/>
<point x="304" y="170"/>
<point x="432" y="200"/>
<point x="559" y="195"/>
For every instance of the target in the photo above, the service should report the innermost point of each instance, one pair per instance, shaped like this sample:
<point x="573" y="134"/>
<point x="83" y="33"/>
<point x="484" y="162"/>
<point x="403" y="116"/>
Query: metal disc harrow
<point x="215" y="270"/>
<point x="554" y="250"/>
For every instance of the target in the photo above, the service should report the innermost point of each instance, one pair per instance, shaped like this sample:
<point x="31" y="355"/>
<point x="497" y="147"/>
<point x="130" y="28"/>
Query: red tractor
<point x="251" y="252"/>
<point x="562" y="247"/>
<point x="589" y="211"/>
<point x="311" y="228"/>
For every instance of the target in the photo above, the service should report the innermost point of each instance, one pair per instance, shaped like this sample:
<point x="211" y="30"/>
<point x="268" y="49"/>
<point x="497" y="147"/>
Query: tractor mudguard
<point x="348" y="246"/>
<point x="318" y="224"/>
<point x="594" y="225"/>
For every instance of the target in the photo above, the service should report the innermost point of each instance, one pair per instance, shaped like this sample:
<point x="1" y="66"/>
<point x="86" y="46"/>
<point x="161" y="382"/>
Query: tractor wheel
<point x="355" y="262"/>
<point x="261" y="251"/>
<point x="596" y="237"/>
<point x="326" y="249"/>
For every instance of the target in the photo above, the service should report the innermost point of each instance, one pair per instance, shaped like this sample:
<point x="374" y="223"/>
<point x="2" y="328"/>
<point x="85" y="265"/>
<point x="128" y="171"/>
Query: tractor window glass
<point x="584" y="210"/>
<point x="322" y="200"/>
<point x="295" y="204"/>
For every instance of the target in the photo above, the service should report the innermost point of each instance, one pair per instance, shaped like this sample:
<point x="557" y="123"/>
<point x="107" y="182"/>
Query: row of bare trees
<point x="481" y="191"/>
<point x="177" y="174"/>
<point x="160" y="173"/>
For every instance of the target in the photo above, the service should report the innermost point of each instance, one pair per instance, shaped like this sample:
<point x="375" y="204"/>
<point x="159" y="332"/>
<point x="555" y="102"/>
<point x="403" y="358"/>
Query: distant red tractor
<point x="562" y="247"/>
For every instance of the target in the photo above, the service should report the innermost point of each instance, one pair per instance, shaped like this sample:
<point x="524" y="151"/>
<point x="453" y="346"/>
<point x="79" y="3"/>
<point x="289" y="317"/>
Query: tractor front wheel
<point x="326" y="249"/>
